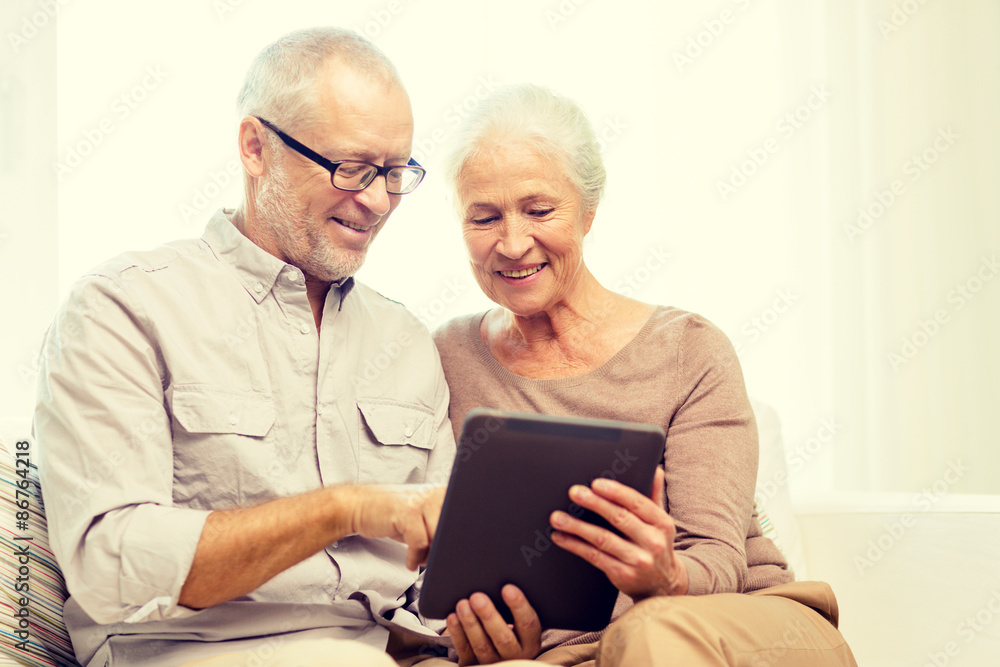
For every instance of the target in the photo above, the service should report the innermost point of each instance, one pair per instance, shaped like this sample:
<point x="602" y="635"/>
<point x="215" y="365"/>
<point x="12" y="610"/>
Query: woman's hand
<point x="642" y="563"/>
<point x="481" y="635"/>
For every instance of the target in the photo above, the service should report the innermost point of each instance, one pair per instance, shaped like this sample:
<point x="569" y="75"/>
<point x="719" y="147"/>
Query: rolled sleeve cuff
<point x="157" y="553"/>
<point x="699" y="583"/>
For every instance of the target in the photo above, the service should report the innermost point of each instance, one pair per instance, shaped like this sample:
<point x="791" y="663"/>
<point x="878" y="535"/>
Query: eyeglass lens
<point x="357" y="176"/>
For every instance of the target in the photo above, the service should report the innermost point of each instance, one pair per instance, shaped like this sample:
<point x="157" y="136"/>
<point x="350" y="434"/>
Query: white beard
<point x="301" y="240"/>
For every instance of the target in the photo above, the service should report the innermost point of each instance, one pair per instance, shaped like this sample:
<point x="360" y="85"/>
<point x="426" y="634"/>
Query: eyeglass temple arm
<point x="310" y="153"/>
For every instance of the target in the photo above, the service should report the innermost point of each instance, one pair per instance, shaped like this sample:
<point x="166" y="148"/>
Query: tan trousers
<point x="792" y="625"/>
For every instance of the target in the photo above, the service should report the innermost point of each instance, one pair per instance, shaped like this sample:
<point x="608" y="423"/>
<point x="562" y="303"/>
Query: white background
<point x="832" y="99"/>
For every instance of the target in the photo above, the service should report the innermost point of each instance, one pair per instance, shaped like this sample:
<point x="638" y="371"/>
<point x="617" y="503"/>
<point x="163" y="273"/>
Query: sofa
<point x="918" y="582"/>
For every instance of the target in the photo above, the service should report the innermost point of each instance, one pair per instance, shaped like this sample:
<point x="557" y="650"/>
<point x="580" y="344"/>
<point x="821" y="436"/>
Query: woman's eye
<point x="483" y="221"/>
<point x="540" y="213"/>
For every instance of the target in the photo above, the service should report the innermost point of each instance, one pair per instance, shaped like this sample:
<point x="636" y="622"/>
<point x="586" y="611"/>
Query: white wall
<point x="28" y="211"/>
<point x="684" y="93"/>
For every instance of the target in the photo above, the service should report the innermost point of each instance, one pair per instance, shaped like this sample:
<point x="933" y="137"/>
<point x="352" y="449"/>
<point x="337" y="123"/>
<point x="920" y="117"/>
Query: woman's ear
<point x="252" y="146"/>
<point x="588" y="221"/>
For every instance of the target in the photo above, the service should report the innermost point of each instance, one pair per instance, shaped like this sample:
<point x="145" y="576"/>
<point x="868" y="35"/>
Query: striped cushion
<point x="767" y="526"/>
<point x="44" y="641"/>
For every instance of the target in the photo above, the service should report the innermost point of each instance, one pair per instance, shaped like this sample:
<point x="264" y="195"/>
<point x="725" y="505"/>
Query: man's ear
<point x="252" y="146"/>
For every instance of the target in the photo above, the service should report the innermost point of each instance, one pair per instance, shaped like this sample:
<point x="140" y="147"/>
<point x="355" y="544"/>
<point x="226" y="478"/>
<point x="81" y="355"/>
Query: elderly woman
<point x="704" y="586"/>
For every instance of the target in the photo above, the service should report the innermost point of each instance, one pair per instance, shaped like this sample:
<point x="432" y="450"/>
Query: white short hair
<point x="552" y="125"/>
<point x="280" y="84"/>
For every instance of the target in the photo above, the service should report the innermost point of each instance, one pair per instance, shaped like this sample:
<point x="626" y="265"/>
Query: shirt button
<point x="232" y="419"/>
<point x="258" y="288"/>
<point x="408" y="430"/>
<point x="305" y="328"/>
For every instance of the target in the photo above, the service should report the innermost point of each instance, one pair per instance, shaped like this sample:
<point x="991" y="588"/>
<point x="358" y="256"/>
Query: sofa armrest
<point x="916" y="575"/>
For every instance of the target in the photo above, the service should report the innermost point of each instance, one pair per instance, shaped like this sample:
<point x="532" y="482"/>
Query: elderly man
<point x="220" y="472"/>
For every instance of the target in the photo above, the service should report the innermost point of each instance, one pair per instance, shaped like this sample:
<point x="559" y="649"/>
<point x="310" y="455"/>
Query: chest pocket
<point x="222" y="455"/>
<point x="209" y="410"/>
<point x="396" y="440"/>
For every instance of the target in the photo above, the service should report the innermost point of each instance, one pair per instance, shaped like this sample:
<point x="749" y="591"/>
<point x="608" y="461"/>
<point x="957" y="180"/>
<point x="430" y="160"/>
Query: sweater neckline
<point x="487" y="358"/>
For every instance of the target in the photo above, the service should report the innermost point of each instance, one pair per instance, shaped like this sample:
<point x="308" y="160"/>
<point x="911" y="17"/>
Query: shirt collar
<point x="256" y="269"/>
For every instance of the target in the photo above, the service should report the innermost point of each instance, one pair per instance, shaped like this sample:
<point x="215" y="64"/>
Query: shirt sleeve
<point x="105" y="459"/>
<point x="711" y="462"/>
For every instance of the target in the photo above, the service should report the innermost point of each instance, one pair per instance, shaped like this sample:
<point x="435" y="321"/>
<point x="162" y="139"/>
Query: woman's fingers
<point x="640" y="521"/>
<point x="526" y="624"/>
<point x="481" y="634"/>
<point x="585" y="550"/>
<point x="476" y="636"/>
<point x="585" y="533"/>
<point x="466" y="656"/>
<point x="621" y="502"/>
<point x="640" y="561"/>
<point x="499" y="635"/>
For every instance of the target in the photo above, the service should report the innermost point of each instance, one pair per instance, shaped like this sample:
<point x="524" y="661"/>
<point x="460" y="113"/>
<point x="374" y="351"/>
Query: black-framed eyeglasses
<point x="355" y="175"/>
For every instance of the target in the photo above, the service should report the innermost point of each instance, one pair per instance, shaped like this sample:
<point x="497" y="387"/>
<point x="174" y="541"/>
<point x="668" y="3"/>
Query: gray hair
<point x="549" y="123"/>
<point x="280" y="84"/>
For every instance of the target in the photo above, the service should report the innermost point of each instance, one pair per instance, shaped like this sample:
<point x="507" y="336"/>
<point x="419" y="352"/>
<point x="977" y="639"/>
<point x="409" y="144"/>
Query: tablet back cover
<point x="512" y="470"/>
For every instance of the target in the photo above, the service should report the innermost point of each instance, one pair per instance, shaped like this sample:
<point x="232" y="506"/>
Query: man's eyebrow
<point x="359" y="153"/>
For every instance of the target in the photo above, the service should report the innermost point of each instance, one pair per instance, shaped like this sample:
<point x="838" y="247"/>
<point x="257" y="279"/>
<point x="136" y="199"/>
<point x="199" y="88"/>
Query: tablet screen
<point x="512" y="470"/>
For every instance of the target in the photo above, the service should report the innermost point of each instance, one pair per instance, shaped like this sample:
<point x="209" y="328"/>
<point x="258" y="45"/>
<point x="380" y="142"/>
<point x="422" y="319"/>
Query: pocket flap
<point x="201" y="409"/>
<point x="394" y="423"/>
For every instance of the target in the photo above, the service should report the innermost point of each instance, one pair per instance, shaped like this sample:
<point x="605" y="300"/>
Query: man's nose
<point x="374" y="197"/>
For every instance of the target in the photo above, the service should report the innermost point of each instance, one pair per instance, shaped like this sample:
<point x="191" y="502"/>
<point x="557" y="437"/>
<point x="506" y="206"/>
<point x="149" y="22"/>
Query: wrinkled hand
<point x="642" y="563"/>
<point x="481" y="635"/>
<point x="410" y="517"/>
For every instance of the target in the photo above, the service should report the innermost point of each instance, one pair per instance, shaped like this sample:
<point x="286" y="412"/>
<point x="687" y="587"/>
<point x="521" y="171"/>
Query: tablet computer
<point x="512" y="470"/>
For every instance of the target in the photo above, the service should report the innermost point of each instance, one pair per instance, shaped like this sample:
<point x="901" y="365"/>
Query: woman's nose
<point x="515" y="241"/>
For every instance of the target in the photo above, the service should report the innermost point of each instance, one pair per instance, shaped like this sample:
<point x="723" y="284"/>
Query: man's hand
<point x="241" y="549"/>
<point x="405" y="516"/>
<point x="482" y="636"/>
<point x="642" y="563"/>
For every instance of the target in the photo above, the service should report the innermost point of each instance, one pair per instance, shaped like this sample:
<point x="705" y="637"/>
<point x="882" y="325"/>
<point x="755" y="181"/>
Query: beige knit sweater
<point x="681" y="373"/>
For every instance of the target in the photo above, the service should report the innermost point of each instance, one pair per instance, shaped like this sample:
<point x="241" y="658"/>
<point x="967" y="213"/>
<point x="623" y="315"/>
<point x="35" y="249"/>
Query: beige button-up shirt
<point x="192" y="378"/>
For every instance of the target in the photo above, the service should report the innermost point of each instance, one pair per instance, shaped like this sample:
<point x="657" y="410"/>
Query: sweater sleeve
<point x="711" y="461"/>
